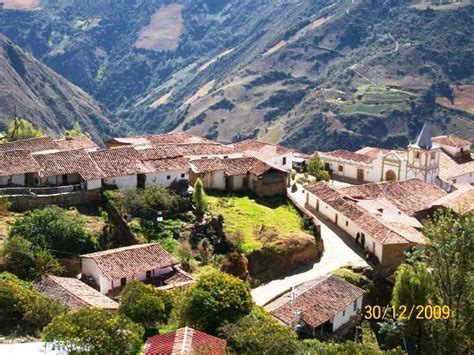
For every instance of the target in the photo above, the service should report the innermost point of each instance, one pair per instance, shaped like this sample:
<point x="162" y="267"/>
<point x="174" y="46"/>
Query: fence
<point x="40" y="191"/>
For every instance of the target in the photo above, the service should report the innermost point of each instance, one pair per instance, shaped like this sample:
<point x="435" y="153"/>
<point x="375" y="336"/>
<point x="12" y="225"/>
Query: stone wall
<point x="71" y="199"/>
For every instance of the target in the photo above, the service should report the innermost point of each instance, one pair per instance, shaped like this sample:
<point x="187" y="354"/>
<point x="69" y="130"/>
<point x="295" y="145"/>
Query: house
<point x="185" y="341"/>
<point x="112" y="269"/>
<point x="18" y="168"/>
<point x="165" y="165"/>
<point x="379" y="225"/>
<point x="121" y="167"/>
<point x="70" y="167"/>
<point x="33" y="145"/>
<point x="73" y="293"/>
<point x="151" y="141"/>
<point x="460" y="201"/>
<point x="238" y="174"/>
<point x="276" y="155"/>
<point x="324" y="305"/>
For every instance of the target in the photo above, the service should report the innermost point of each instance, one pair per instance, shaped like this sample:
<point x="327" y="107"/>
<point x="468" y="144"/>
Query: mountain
<point x="47" y="99"/>
<point x="312" y="74"/>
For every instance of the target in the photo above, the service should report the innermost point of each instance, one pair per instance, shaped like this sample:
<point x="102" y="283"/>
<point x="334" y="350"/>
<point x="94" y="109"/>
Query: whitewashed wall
<point x="94" y="184"/>
<point x="122" y="182"/>
<point x="18" y="180"/>
<point x="160" y="178"/>
<point x="343" y="317"/>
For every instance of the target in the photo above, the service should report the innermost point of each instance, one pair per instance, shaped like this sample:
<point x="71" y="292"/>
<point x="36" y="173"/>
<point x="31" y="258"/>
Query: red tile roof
<point x="177" y="279"/>
<point x="204" y="149"/>
<point x="69" y="162"/>
<point x="119" y="162"/>
<point x="451" y="168"/>
<point x="176" y="138"/>
<point x="460" y="201"/>
<point x="185" y="341"/>
<point x="410" y="196"/>
<point x="318" y="301"/>
<point x="160" y="152"/>
<point x="207" y="165"/>
<point x="73" y="293"/>
<point x="451" y="141"/>
<point x="171" y="164"/>
<point x="33" y="145"/>
<point x="348" y="156"/>
<point x="76" y="143"/>
<point x="258" y="148"/>
<point x="17" y="162"/>
<point x="383" y="232"/>
<point x="127" y="261"/>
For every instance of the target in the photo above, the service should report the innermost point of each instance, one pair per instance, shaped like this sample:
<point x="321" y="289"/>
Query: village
<point x="361" y="221"/>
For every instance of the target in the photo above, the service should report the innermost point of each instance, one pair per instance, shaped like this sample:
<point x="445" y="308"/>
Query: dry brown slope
<point x="44" y="97"/>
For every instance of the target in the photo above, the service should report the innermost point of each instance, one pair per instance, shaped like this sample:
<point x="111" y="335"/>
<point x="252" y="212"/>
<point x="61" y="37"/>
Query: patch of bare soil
<point x="20" y="4"/>
<point x="162" y="100"/>
<point x="163" y="31"/>
<point x="463" y="99"/>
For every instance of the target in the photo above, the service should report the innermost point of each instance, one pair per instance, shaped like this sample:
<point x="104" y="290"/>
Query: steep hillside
<point x="310" y="73"/>
<point x="48" y="100"/>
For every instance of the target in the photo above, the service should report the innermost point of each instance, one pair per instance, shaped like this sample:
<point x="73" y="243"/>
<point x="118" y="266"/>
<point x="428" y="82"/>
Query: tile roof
<point x="68" y="162"/>
<point x="177" y="278"/>
<point x="185" y="341"/>
<point x="451" y="168"/>
<point x="348" y="156"/>
<point x="372" y="151"/>
<point x="260" y="149"/>
<point x="76" y="143"/>
<point x="460" y="201"/>
<point x="171" y="164"/>
<point x="73" y="293"/>
<point x="451" y="141"/>
<point x="119" y="162"/>
<point x="122" y="262"/>
<point x="383" y="232"/>
<point x="33" y="145"/>
<point x="203" y="149"/>
<point x="160" y="152"/>
<point x="410" y="196"/>
<point x="207" y="165"/>
<point x="17" y="162"/>
<point x="319" y="300"/>
<point x="176" y="138"/>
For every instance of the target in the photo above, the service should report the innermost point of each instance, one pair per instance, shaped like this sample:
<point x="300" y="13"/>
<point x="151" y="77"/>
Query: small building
<point x="18" y="168"/>
<point x="73" y="293"/>
<point x="324" y="305"/>
<point x="112" y="269"/>
<point x="122" y="167"/>
<point x="378" y="225"/>
<point x="273" y="154"/>
<point x="210" y="171"/>
<point x="71" y="167"/>
<point x="185" y="341"/>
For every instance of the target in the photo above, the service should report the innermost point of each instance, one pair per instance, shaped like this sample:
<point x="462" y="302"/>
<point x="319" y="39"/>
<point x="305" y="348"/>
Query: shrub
<point x="294" y="188"/>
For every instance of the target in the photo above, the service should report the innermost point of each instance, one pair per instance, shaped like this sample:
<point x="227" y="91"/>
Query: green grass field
<point x="257" y="220"/>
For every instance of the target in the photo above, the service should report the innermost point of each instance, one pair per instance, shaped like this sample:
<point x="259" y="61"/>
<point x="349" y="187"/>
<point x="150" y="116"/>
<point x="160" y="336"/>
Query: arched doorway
<point x="390" y="176"/>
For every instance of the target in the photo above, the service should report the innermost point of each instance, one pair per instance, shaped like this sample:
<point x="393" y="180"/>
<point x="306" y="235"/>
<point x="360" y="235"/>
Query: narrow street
<point x="337" y="253"/>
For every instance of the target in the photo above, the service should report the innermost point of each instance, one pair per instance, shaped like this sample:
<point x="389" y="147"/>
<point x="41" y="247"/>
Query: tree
<point x="316" y="168"/>
<point x="22" y="309"/>
<point x="53" y="229"/>
<point x="260" y="333"/>
<point x="27" y="262"/>
<point x="215" y="298"/>
<point x="76" y="131"/>
<point x="199" y="197"/>
<point x="20" y="128"/>
<point x="94" y="331"/>
<point x="450" y="258"/>
<point x="413" y="285"/>
<point x="145" y="304"/>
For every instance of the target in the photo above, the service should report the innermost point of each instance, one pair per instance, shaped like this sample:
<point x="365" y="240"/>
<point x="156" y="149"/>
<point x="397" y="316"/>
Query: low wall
<point x="305" y="212"/>
<point x="71" y="199"/>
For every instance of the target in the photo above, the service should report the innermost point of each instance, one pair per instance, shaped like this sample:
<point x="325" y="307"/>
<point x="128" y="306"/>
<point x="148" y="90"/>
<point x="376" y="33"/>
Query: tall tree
<point x="94" y="331"/>
<point x="316" y="168"/>
<point x="215" y="298"/>
<point x="20" y="128"/>
<point x="199" y="197"/>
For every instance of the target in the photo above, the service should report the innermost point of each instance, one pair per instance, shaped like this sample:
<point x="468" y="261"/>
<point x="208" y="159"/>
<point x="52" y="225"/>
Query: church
<point x="444" y="161"/>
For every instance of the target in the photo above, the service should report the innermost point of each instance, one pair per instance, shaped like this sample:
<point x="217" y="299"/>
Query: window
<point x="327" y="166"/>
<point x="341" y="168"/>
<point x="417" y="155"/>
<point x="123" y="281"/>
<point x="355" y="306"/>
<point x="433" y="155"/>
<point x="183" y="176"/>
<point x="462" y="150"/>
<point x="168" y="177"/>
<point x="284" y="161"/>
<point x="347" y="223"/>
<point x="226" y="156"/>
<point x="10" y="180"/>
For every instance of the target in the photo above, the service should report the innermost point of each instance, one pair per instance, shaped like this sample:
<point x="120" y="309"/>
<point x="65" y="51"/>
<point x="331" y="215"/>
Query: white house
<point x="323" y="305"/>
<point x="112" y="269"/>
<point x="17" y="168"/>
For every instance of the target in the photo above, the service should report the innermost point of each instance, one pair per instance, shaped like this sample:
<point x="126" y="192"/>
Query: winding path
<point x="338" y="252"/>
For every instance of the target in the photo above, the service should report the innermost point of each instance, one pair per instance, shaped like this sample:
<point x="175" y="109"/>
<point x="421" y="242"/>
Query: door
<point x="141" y="180"/>
<point x="390" y="176"/>
<point x="64" y="179"/>
<point x="123" y="282"/>
<point x="360" y="174"/>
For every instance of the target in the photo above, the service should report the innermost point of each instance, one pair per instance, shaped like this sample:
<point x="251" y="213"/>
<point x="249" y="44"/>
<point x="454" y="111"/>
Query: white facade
<point x="345" y="315"/>
<point x="423" y="164"/>
<point x="17" y="180"/>
<point x="94" y="184"/>
<point x="213" y="179"/>
<point x="90" y="268"/>
<point x="345" y="224"/>
<point x="122" y="182"/>
<point x="166" y="178"/>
